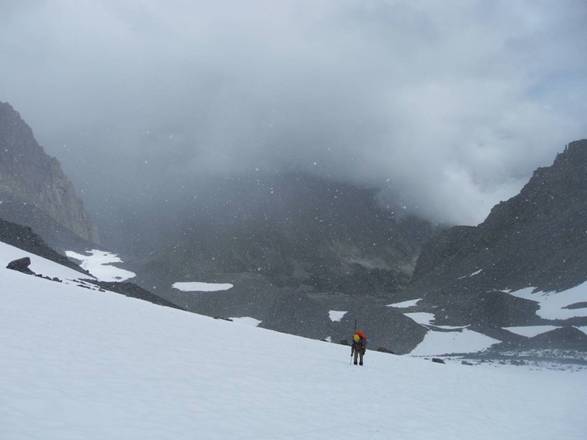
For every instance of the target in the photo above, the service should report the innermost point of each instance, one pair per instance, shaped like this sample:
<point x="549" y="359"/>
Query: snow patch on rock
<point x="552" y="304"/>
<point x="336" y="315"/>
<point x="197" y="286"/>
<point x="477" y="272"/>
<point x="405" y="304"/>
<point x="99" y="264"/>
<point x="422" y="318"/>
<point x="464" y="341"/>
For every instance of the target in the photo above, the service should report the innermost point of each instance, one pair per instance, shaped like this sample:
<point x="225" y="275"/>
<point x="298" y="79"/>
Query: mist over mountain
<point x="523" y="267"/>
<point x="294" y="229"/>
<point x="420" y="100"/>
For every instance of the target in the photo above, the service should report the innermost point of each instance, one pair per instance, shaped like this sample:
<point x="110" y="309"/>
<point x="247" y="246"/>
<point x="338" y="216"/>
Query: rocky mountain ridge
<point x="537" y="238"/>
<point x="524" y="267"/>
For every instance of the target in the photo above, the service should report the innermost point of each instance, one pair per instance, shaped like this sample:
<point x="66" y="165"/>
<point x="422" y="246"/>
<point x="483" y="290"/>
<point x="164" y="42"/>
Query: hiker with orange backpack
<point x="359" y="347"/>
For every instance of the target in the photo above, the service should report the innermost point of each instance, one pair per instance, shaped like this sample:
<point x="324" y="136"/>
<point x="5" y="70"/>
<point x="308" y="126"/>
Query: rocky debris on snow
<point x="134" y="291"/>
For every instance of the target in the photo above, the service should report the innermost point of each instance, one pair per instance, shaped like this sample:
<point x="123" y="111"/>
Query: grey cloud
<point x="447" y="106"/>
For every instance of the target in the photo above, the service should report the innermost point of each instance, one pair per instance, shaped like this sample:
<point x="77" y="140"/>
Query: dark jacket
<point x="359" y="347"/>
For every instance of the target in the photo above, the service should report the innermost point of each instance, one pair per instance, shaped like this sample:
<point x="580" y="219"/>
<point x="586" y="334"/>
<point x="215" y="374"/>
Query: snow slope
<point x="39" y="265"/>
<point x="80" y="364"/>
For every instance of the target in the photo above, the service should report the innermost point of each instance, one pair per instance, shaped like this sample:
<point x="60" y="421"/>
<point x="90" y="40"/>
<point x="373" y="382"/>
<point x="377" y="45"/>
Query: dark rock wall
<point x="538" y="238"/>
<point x="28" y="176"/>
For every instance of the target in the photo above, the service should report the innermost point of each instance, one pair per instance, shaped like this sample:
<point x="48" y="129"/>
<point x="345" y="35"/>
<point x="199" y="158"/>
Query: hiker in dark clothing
<point x="359" y="347"/>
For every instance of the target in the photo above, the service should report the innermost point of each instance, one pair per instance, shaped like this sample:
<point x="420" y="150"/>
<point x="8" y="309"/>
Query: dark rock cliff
<point x="538" y="238"/>
<point x="33" y="188"/>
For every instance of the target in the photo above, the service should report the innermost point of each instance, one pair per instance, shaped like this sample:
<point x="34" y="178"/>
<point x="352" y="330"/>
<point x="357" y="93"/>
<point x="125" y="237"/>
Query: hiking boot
<point x="360" y="363"/>
<point x="355" y="363"/>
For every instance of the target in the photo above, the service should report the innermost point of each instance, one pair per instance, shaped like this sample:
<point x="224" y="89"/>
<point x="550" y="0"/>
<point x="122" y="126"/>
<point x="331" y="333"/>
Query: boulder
<point x="21" y="265"/>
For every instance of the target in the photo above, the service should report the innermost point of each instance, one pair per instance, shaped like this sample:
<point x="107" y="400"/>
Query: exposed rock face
<point x="33" y="185"/>
<point x="536" y="239"/>
<point x="312" y="233"/>
<point x="564" y="338"/>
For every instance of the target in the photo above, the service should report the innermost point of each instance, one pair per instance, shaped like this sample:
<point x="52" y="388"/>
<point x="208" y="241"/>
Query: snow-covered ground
<point x="80" y="364"/>
<point x="463" y="341"/>
<point x="201" y="287"/>
<point x="99" y="264"/>
<point x="38" y="265"/>
<point x="552" y="304"/>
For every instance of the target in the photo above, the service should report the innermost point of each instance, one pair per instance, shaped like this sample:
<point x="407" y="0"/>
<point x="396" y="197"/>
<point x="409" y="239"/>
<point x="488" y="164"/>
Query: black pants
<point x="359" y="354"/>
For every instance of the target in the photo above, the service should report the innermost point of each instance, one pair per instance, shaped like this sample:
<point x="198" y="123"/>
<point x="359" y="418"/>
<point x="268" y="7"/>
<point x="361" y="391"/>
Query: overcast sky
<point x="447" y="105"/>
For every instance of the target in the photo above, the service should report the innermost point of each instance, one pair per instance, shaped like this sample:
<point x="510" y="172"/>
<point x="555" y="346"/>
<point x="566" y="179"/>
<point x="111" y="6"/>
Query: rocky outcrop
<point x="24" y="238"/>
<point x="21" y="265"/>
<point x="33" y="187"/>
<point x="564" y="338"/>
<point x="536" y="239"/>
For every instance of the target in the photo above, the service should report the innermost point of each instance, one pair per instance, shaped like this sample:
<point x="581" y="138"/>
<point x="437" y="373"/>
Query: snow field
<point x="78" y="364"/>
<point x="463" y="341"/>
